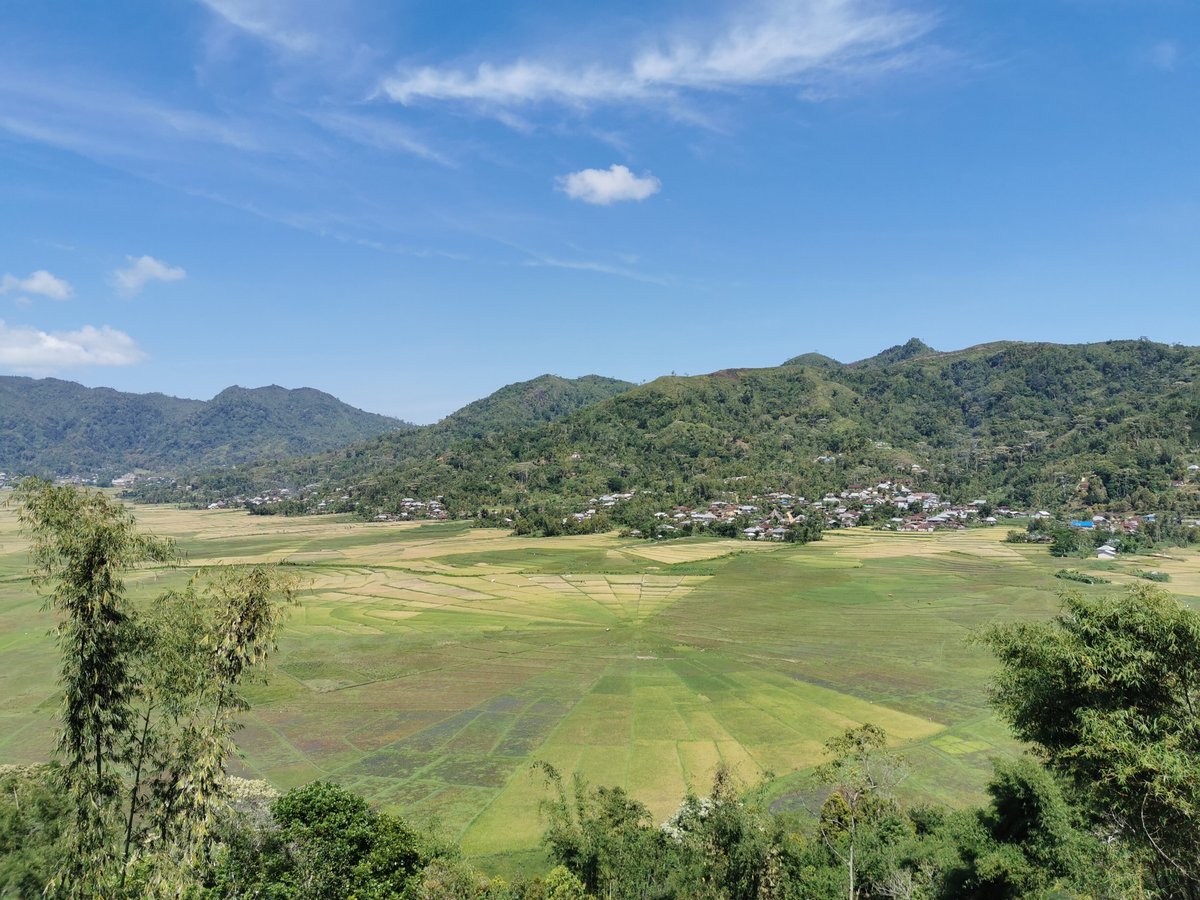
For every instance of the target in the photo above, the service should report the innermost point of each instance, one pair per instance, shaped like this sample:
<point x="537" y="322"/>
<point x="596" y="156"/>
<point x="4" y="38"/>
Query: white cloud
<point x="142" y="271"/>
<point x="606" y="186"/>
<point x="770" y="43"/>
<point x="33" y="351"/>
<point x="40" y="282"/>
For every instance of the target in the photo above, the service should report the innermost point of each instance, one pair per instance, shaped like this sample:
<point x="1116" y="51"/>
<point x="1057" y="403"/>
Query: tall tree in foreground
<point x="1108" y="692"/>
<point x="864" y="775"/>
<point x="149" y="695"/>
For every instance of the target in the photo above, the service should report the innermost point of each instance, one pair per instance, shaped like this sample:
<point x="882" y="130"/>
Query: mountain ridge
<point x="50" y="426"/>
<point x="522" y="404"/>
<point x="1011" y="421"/>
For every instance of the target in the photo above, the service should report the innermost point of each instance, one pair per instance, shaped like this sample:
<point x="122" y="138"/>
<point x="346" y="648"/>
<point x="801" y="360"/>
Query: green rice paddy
<point x="430" y="665"/>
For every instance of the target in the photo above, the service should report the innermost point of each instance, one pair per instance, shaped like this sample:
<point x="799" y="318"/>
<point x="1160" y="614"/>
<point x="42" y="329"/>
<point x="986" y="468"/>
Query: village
<point x="886" y="505"/>
<point x="889" y="505"/>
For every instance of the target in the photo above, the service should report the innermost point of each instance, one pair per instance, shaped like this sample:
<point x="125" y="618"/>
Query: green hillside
<point x="52" y="427"/>
<point x="1016" y="422"/>
<point x="527" y="403"/>
<point x="511" y="409"/>
<point x="1022" y="423"/>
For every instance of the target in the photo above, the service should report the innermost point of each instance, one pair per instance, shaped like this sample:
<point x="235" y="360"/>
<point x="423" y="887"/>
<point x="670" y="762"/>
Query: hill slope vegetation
<point x="512" y="409"/>
<point x="50" y="427"/>
<point x="1109" y="423"/>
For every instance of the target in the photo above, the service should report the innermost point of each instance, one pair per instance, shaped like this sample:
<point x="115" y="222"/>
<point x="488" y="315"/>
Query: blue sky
<point x="411" y="204"/>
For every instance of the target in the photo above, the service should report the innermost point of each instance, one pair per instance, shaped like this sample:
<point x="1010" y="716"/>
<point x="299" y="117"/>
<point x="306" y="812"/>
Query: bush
<point x="1082" y="577"/>
<point x="1152" y="575"/>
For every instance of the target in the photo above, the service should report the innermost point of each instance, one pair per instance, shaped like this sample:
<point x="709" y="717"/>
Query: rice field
<point x="430" y="664"/>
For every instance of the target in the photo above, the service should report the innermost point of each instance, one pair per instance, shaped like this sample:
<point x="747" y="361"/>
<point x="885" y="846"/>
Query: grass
<point x="430" y="664"/>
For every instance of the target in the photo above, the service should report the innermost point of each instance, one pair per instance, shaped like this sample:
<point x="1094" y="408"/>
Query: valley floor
<point x="430" y="664"/>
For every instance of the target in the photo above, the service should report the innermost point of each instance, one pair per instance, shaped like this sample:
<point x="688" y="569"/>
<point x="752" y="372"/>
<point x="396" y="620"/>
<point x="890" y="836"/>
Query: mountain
<point x="50" y="427"/>
<point x="1025" y="423"/>
<point x="910" y="349"/>
<point x="528" y="403"/>
<point x="818" y="360"/>
<point x="512" y="409"/>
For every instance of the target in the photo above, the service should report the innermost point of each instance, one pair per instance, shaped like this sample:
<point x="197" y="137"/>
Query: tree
<point x="863" y="774"/>
<point x="561" y="884"/>
<point x="33" y="816"/>
<point x="1107" y="693"/>
<point x="1065" y="542"/>
<point x="150" y="695"/>
<point x="725" y="846"/>
<point x="603" y="836"/>
<point x="324" y="843"/>
<point x="1026" y="842"/>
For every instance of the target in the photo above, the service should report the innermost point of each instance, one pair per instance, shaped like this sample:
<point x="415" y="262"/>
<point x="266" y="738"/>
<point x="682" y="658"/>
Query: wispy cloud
<point x="33" y="351"/>
<point x="1164" y="56"/>
<point x="269" y="21"/>
<point x="108" y="122"/>
<point x="540" y="261"/>
<point x="604" y="187"/>
<point x="769" y="43"/>
<point x="378" y="133"/>
<point x="257" y="148"/>
<point x="143" y="270"/>
<point x="536" y="259"/>
<point x="41" y="283"/>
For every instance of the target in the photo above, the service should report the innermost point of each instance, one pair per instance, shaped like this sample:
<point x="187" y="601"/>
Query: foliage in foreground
<point x="323" y="842"/>
<point x="1107" y="693"/>
<point x="150" y="695"/>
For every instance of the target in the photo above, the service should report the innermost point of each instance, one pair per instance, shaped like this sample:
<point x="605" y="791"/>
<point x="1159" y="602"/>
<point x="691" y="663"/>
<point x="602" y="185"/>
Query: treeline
<point x="1064" y="540"/>
<point x="1110" y="426"/>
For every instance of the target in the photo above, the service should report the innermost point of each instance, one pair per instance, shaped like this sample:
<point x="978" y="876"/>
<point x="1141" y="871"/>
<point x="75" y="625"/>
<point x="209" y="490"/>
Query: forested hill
<point x="52" y="427"/>
<point x="1110" y="423"/>
<point x="513" y="409"/>
<point x="510" y="410"/>
<point x="526" y="404"/>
